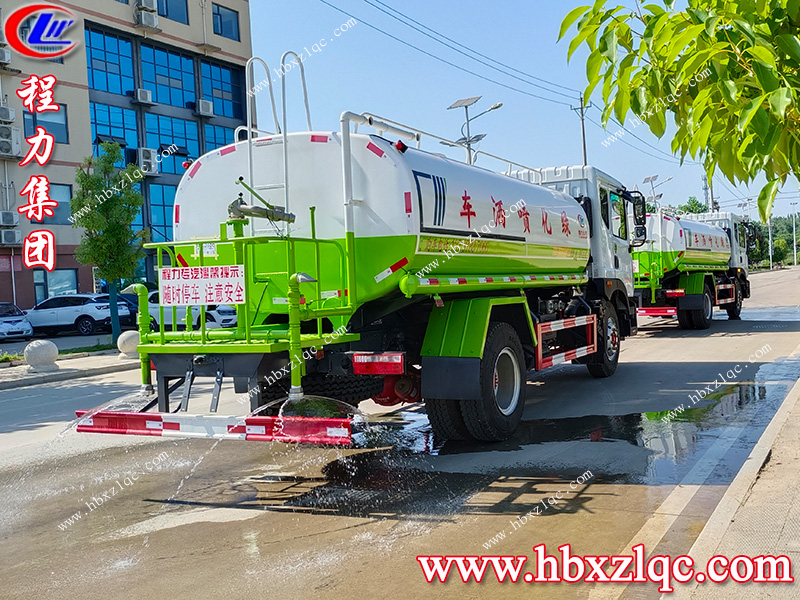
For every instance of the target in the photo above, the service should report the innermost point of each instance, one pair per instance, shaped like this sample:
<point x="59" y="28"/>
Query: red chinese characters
<point x="39" y="202"/>
<point x="564" y="223"/>
<point x="526" y="221"/>
<point x="39" y="250"/>
<point x="41" y="147"/>
<point x="498" y="212"/>
<point x="548" y="229"/>
<point x="37" y="95"/>
<point x="466" y="209"/>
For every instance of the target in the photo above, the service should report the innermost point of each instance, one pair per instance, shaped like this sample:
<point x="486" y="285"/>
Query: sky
<point x="364" y="70"/>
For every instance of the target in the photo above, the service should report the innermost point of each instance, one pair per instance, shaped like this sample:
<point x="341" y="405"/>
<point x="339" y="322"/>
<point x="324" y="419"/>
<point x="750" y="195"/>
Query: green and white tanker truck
<point x="363" y="268"/>
<point x="691" y="263"/>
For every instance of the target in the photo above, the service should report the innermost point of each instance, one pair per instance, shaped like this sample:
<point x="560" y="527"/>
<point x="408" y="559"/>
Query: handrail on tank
<point x="283" y="117"/>
<point x="249" y="71"/>
<point x="419" y="133"/>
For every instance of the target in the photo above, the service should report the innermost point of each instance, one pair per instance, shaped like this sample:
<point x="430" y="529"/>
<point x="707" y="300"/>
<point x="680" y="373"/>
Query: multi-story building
<point x="163" y="78"/>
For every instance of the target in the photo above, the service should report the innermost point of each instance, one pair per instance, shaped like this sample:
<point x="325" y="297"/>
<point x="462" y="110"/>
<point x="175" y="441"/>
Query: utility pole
<point x="794" y="231"/>
<point x="705" y="191"/>
<point x="769" y="224"/>
<point x="582" y="111"/>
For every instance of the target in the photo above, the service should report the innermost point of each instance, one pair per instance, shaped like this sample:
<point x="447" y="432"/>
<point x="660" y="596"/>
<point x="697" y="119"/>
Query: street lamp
<point x="794" y="232"/>
<point x="467" y="139"/>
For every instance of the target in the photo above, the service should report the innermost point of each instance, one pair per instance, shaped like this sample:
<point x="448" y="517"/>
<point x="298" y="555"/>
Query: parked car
<point x="124" y="321"/>
<point x="217" y="316"/>
<point x="85" y="313"/>
<point x="13" y="323"/>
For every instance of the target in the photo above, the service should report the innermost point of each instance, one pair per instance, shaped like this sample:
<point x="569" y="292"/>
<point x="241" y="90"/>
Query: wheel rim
<point x="506" y="381"/>
<point x="85" y="327"/>
<point x="708" y="307"/>
<point x="612" y="339"/>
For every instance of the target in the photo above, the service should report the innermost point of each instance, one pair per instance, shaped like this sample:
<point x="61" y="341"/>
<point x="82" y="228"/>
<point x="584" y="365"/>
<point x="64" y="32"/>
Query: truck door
<point x="621" y="240"/>
<point x="611" y="257"/>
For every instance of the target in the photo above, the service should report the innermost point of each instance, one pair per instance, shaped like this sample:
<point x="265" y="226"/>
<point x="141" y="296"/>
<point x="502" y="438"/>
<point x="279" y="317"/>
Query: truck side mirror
<point x="640" y="233"/>
<point x="639" y="211"/>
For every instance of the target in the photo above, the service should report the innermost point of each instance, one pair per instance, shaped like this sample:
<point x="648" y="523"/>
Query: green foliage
<point x="780" y="250"/>
<point x="107" y="213"/>
<point x="693" y="205"/>
<point x="741" y="117"/>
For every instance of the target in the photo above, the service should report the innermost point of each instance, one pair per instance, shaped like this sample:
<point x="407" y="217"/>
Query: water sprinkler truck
<point x="361" y="266"/>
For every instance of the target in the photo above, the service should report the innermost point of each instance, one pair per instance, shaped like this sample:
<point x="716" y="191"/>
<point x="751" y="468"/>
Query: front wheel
<point x="496" y="415"/>
<point x="734" y="309"/>
<point x="608" y="343"/>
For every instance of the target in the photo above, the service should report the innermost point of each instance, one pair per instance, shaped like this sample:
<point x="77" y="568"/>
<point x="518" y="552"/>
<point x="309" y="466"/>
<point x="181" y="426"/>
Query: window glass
<point x="223" y="86"/>
<point x="162" y="201"/>
<point x="113" y="121"/>
<point x="170" y="130"/>
<point x="226" y="21"/>
<point x="109" y="60"/>
<point x="604" y="205"/>
<point x="217" y="136"/>
<point x="62" y="194"/>
<point x="62" y="281"/>
<point x="620" y="227"/>
<point x="169" y="76"/>
<point x="9" y="310"/>
<point x="54" y="122"/>
<point x="175" y="10"/>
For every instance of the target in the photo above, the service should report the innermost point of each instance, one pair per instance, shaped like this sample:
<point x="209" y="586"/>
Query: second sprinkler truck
<point x="313" y="232"/>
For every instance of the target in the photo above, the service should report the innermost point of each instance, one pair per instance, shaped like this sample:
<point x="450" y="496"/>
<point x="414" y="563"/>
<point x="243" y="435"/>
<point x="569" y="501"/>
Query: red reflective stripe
<point x="462" y="280"/>
<point x="408" y="202"/>
<point x="373" y="148"/>
<point x="227" y="150"/>
<point x="182" y="261"/>
<point x="398" y="265"/>
<point x="195" y="168"/>
<point x="490" y="280"/>
<point x="171" y="425"/>
<point x="512" y="278"/>
<point x="177" y="213"/>
<point x="319" y="138"/>
<point x="433" y="281"/>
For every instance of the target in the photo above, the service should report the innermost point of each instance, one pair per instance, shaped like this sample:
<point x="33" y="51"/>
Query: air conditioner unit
<point x="147" y="19"/>
<point x="10" y="237"/>
<point x="148" y="5"/>
<point x="5" y="56"/>
<point x="147" y="161"/>
<point x="10" y="141"/>
<point x="204" y="108"/>
<point x="9" y="218"/>
<point x="143" y="96"/>
<point x="7" y="114"/>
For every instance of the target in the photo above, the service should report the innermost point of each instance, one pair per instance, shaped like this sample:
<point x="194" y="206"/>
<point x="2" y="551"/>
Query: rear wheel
<point x="86" y="326"/>
<point x="446" y="419"/>
<point x="734" y="309"/>
<point x="701" y="318"/>
<point x="608" y="343"/>
<point x="685" y="319"/>
<point x="496" y="415"/>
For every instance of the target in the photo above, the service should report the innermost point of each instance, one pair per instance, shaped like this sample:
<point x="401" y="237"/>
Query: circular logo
<point x="48" y="23"/>
<point x="581" y="221"/>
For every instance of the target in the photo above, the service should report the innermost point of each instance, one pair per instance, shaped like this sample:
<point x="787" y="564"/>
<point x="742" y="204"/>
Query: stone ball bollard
<point x="41" y="356"/>
<point x="127" y="343"/>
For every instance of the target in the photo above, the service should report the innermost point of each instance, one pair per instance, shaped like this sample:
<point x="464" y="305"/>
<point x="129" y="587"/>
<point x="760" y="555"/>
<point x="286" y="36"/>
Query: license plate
<point x="15" y="332"/>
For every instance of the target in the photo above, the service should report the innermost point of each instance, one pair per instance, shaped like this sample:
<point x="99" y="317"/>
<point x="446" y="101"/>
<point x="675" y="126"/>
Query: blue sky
<point x="365" y="70"/>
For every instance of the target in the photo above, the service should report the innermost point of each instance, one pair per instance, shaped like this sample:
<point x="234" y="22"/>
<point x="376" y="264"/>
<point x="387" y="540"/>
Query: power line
<point x="492" y="66"/>
<point x="447" y="62"/>
<point x="634" y="147"/>
<point x="647" y="144"/>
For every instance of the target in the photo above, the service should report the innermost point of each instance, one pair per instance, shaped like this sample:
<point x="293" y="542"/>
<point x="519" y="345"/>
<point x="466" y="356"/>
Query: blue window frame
<point x="113" y="123"/>
<point x="226" y="21"/>
<point x="176" y="10"/>
<point x="109" y="60"/>
<point x="54" y="122"/>
<point x="223" y="86"/>
<point x="162" y="201"/>
<point x="217" y="136"/>
<point x="169" y="76"/>
<point x="161" y="130"/>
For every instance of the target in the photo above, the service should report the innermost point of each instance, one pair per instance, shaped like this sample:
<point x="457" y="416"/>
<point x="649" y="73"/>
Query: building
<point x="163" y="78"/>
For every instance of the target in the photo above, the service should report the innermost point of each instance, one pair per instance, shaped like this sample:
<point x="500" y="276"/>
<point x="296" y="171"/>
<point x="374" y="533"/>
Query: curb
<point x="717" y="525"/>
<point x="39" y="378"/>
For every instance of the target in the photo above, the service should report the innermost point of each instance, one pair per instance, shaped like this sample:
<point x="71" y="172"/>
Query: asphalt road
<point x="240" y="520"/>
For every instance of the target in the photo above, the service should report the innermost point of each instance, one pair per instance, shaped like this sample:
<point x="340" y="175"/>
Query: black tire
<point x="446" y="419"/>
<point x="497" y="414"/>
<point x="607" y="343"/>
<point x="351" y="389"/>
<point x="86" y="326"/>
<point x="685" y="319"/>
<point x="701" y="318"/>
<point x="734" y="309"/>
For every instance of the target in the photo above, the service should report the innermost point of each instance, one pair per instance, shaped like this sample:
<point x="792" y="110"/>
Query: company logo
<point x="581" y="221"/>
<point x="48" y="24"/>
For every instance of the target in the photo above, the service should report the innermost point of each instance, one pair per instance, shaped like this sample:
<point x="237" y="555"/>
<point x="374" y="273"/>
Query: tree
<point x="727" y="70"/>
<point x="693" y="206"/>
<point x="780" y="250"/>
<point x="105" y="204"/>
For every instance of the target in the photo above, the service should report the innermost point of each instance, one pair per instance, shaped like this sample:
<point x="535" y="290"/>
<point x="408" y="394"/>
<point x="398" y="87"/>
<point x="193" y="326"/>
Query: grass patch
<point x="5" y="358"/>
<point x="96" y="348"/>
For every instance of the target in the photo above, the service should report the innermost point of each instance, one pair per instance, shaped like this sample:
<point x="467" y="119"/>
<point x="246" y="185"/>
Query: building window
<point x="62" y="194"/>
<point x="110" y="63"/>
<point x="113" y="124"/>
<point x="55" y="122"/>
<point x="217" y="136"/>
<point x="47" y="284"/>
<point x="162" y="201"/>
<point x="169" y="76"/>
<point x="223" y="86"/>
<point x="175" y="10"/>
<point x="226" y="21"/>
<point x="161" y="130"/>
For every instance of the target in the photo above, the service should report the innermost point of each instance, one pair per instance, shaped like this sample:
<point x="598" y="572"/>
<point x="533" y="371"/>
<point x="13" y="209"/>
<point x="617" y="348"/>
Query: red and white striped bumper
<point x="305" y="430"/>
<point x="657" y="311"/>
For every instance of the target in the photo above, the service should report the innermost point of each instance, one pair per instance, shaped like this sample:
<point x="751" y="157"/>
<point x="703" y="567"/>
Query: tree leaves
<point x="766" y="197"/>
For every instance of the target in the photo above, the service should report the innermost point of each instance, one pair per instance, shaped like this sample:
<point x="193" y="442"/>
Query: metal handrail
<point x="249" y="70"/>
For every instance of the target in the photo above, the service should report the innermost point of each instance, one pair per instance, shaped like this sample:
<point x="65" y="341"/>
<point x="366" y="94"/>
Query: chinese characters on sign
<point x="194" y="286"/>
<point x="39" y="247"/>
